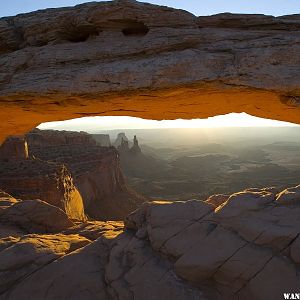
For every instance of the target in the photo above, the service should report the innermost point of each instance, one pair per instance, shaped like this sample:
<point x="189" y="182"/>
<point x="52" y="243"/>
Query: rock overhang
<point x="144" y="60"/>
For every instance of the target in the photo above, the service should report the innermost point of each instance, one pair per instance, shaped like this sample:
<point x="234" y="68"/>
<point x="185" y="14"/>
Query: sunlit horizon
<point x="93" y="124"/>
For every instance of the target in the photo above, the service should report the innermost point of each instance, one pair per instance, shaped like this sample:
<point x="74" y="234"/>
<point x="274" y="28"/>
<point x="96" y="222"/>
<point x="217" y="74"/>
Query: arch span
<point x="177" y="66"/>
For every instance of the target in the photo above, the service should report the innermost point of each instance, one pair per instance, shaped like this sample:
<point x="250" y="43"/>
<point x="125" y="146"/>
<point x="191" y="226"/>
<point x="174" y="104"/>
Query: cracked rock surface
<point x="244" y="247"/>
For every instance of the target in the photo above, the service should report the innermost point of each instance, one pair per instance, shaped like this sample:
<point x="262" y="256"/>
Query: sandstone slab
<point x="36" y="216"/>
<point x="132" y="58"/>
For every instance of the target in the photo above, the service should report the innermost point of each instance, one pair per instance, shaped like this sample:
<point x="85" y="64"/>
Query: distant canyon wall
<point x="68" y="170"/>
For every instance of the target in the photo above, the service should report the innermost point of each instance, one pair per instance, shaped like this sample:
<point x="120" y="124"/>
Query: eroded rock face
<point x="14" y="148"/>
<point x="53" y="138"/>
<point x="121" y="138"/>
<point x="6" y="200"/>
<point x="289" y="196"/>
<point x="71" y="171"/>
<point x="102" y="139"/>
<point x="95" y="170"/>
<point x="135" y="149"/>
<point x="131" y="58"/>
<point x="217" y="200"/>
<point x="36" y="179"/>
<point x="176" y="250"/>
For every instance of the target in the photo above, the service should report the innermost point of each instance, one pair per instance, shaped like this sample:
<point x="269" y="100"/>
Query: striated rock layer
<point x="243" y="247"/>
<point x="14" y="148"/>
<point x="26" y="177"/>
<point x="68" y="170"/>
<point x="102" y="139"/>
<point x="37" y="179"/>
<point x="95" y="170"/>
<point x="138" y="59"/>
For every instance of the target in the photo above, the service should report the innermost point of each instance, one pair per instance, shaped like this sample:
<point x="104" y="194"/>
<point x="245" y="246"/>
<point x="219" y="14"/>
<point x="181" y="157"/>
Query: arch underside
<point x="173" y="103"/>
<point x="135" y="59"/>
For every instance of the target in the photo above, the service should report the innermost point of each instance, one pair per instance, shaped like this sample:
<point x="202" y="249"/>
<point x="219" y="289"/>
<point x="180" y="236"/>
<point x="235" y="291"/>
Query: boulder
<point x="36" y="216"/>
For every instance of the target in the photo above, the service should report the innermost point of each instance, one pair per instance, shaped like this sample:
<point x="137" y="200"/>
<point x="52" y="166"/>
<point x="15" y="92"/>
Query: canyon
<point x="95" y="169"/>
<point x="68" y="170"/>
<point x="60" y="239"/>
<point x="185" y="163"/>
<point x="35" y="179"/>
<point x="70" y="228"/>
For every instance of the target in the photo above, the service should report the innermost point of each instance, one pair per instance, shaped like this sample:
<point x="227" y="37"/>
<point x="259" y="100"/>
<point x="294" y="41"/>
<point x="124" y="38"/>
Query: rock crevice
<point x="178" y="250"/>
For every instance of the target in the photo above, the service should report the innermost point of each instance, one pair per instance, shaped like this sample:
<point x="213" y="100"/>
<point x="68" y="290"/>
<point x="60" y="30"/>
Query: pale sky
<point x="197" y="7"/>
<point x="107" y="123"/>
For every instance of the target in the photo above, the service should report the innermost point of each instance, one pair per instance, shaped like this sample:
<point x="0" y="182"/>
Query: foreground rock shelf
<point x="244" y="247"/>
<point x="138" y="59"/>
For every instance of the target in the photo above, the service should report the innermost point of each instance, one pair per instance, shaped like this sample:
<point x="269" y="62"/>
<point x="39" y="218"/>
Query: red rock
<point x="95" y="169"/>
<point x="36" y="216"/>
<point x="36" y="179"/>
<point x="14" y="147"/>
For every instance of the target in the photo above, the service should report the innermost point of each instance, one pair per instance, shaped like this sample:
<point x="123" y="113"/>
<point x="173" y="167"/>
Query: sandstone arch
<point x="137" y="59"/>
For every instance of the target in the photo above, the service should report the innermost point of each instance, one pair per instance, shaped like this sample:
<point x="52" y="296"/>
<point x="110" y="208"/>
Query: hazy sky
<point x="106" y="123"/>
<point x="197" y="7"/>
